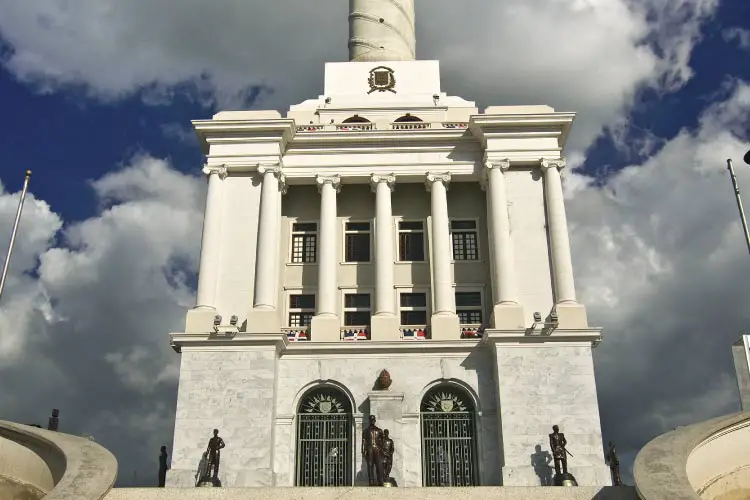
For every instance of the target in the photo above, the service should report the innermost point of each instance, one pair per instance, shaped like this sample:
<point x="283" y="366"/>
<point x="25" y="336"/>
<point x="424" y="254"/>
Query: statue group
<point x="377" y="450"/>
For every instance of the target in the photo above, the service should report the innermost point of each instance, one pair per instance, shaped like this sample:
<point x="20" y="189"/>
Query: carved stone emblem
<point x="384" y="380"/>
<point x="382" y="79"/>
<point x="325" y="406"/>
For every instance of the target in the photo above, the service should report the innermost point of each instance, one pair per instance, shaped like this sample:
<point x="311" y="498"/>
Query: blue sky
<point x="103" y="121"/>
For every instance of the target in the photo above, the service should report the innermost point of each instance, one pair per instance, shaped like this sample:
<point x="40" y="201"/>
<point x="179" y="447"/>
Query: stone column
<point x="444" y="324"/>
<point x="326" y="325"/>
<point x="201" y="317"/>
<point x="385" y="323"/>
<point x="568" y="309"/>
<point x="265" y="317"/>
<point x="507" y="313"/>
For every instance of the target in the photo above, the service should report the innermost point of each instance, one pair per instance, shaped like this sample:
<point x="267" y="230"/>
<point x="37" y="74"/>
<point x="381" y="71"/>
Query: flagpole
<point x="15" y="230"/>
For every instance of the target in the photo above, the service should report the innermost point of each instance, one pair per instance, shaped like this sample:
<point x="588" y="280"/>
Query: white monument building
<point x="386" y="225"/>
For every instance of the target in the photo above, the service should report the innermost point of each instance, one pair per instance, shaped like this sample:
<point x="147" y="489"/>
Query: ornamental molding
<point x="502" y="165"/>
<point x="388" y="179"/>
<point x="558" y="163"/>
<point x="432" y="178"/>
<point x="333" y="180"/>
<point x="221" y="170"/>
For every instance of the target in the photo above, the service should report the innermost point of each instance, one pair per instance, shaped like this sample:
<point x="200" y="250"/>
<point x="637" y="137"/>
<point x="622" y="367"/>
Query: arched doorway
<point x="324" y="438"/>
<point x="449" y="438"/>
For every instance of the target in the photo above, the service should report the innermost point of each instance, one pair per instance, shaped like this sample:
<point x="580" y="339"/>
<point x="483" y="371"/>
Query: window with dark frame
<point x="304" y="242"/>
<point x="413" y="308"/>
<point x="301" y="309"/>
<point x="469" y="308"/>
<point x="465" y="240"/>
<point x="357" y="242"/>
<point x="357" y="309"/>
<point x="411" y="241"/>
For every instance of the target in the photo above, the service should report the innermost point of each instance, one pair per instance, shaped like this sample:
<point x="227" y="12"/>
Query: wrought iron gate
<point x="448" y="441"/>
<point x="324" y="452"/>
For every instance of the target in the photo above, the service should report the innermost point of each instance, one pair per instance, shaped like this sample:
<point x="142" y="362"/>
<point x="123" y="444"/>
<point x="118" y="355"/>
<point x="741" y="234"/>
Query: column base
<point x="200" y="319"/>
<point x="526" y="475"/>
<point x="571" y="316"/>
<point x="445" y="326"/>
<point x="508" y="317"/>
<point x="325" y="329"/>
<point x="263" y="321"/>
<point x="385" y="327"/>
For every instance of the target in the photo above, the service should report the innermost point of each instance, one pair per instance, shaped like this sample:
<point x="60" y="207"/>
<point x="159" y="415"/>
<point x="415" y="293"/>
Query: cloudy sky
<point x="99" y="93"/>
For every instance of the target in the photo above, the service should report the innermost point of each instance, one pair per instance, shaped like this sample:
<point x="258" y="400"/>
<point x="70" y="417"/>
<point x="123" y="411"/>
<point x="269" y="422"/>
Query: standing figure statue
<point x="388" y="451"/>
<point x="557" y="444"/>
<point x="614" y="464"/>
<point x="372" y="451"/>
<point x="163" y="467"/>
<point x="215" y="445"/>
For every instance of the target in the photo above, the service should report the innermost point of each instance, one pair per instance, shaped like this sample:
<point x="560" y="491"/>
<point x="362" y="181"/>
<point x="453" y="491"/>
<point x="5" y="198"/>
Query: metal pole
<point x="15" y="230"/>
<point x="739" y="203"/>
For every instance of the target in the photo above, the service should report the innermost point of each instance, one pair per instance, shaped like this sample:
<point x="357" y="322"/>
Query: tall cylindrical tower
<point x="381" y="30"/>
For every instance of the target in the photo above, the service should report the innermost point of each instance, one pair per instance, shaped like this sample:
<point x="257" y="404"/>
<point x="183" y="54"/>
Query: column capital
<point x="502" y="165"/>
<point x="333" y="180"/>
<point x="277" y="171"/>
<point x="376" y="179"/>
<point x="221" y="170"/>
<point x="558" y="163"/>
<point x="432" y="178"/>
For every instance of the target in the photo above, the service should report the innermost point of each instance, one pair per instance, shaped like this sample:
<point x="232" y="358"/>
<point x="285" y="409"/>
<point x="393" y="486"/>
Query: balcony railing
<point x="472" y="331"/>
<point x="414" y="332"/>
<point x="367" y="127"/>
<point x="355" y="333"/>
<point x="297" y="333"/>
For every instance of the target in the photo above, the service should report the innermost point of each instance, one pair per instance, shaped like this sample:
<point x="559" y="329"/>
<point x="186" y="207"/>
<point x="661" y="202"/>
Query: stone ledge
<point x="484" y="493"/>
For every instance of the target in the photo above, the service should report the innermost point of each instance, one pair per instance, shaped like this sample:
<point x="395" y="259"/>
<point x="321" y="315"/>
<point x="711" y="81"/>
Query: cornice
<point x="586" y="336"/>
<point x="558" y="125"/>
<point x="244" y="131"/>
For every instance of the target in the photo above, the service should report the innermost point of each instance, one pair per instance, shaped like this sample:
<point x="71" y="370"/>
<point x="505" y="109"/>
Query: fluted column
<point x="208" y="273"/>
<point x="384" y="297"/>
<point x="562" y="263"/>
<point x="269" y="230"/>
<point x="329" y="186"/>
<point x="503" y="269"/>
<point x="442" y="279"/>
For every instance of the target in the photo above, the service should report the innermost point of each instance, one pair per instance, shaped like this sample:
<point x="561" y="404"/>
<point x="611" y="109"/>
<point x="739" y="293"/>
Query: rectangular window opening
<point x="413" y="308"/>
<point x="301" y="310"/>
<point x="357" y="242"/>
<point x="304" y="242"/>
<point x="411" y="241"/>
<point x="465" y="240"/>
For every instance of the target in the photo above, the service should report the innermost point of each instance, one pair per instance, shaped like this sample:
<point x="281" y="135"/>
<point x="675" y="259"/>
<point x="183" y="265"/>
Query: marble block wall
<point x="232" y="391"/>
<point x="412" y="375"/>
<point x="539" y="386"/>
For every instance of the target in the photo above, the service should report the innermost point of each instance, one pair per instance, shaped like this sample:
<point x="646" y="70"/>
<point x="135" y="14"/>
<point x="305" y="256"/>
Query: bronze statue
<point x="163" y="467"/>
<point x="372" y="451"/>
<point x="388" y="451"/>
<point x="54" y="421"/>
<point x="557" y="444"/>
<point x="614" y="464"/>
<point x="215" y="444"/>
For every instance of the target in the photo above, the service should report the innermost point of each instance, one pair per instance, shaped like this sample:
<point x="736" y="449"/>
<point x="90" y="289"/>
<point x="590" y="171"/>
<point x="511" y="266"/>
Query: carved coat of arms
<point x="382" y="79"/>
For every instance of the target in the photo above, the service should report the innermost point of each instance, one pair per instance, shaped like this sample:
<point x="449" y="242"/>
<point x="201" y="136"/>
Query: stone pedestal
<point x="385" y="327"/>
<point x="263" y="321"/>
<point x="508" y="317"/>
<point x="445" y="327"/>
<point x="200" y="319"/>
<point x="387" y="407"/>
<point x="571" y="316"/>
<point x="325" y="328"/>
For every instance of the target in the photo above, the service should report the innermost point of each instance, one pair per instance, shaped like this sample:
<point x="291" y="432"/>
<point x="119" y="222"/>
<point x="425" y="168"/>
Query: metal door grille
<point x="324" y="449"/>
<point x="449" y="449"/>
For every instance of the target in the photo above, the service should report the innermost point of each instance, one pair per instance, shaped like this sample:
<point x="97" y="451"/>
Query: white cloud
<point x="584" y="55"/>
<point x="662" y="264"/>
<point x="738" y="35"/>
<point x="86" y="327"/>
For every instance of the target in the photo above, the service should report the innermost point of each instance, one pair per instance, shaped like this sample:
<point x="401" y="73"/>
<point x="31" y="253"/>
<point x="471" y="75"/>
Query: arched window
<point x="356" y="119"/>
<point x="449" y="440"/>
<point x="408" y="118"/>
<point x="324" y="438"/>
